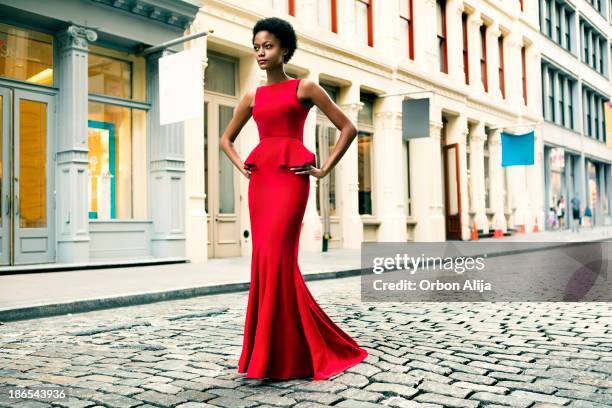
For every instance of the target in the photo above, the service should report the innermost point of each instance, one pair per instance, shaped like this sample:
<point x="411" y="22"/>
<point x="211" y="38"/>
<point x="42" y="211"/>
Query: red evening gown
<point x="286" y="333"/>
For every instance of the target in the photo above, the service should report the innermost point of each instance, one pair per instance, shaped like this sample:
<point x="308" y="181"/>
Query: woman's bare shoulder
<point x="249" y="98"/>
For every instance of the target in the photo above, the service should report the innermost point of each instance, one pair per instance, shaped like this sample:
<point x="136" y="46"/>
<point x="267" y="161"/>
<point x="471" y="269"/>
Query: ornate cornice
<point x="178" y="13"/>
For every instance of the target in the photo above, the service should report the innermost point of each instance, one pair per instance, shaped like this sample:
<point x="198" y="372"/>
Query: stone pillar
<point x="385" y="36"/>
<point x="580" y="179"/>
<point x="454" y="29"/>
<point x="196" y="227"/>
<point x="388" y="149"/>
<point x="426" y="160"/>
<point x="166" y="174"/>
<point x="348" y="177"/>
<point x="308" y="11"/>
<point x="514" y="86"/>
<point x="72" y="205"/>
<point x="475" y="50"/>
<point x="493" y="34"/>
<point x="535" y="186"/>
<point x="477" y="140"/>
<point x="601" y="168"/>
<point x="496" y="176"/>
<point x="346" y="13"/>
<point x="312" y="229"/>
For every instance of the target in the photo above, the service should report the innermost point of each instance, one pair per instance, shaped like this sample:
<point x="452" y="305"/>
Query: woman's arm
<point x="242" y="114"/>
<point x="314" y="92"/>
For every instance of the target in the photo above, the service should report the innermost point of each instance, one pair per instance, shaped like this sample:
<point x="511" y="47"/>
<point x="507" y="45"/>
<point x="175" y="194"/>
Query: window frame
<point x="409" y="21"/>
<point x="442" y="40"/>
<point x="524" y="73"/>
<point x="483" y="57"/>
<point x="466" y="59"/>
<point x="369" y="5"/>
<point x="502" y="74"/>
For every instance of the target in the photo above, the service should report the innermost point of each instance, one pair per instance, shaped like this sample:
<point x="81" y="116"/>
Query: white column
<point x="454" y="37"/>
<point x="496" y="175"/>
<point x="196" y="227"/>
<point x="166" y="165"/>
<point x="386" y="19"/>
<point x="427" y="183"/>
<point x="535" y="186"/>
<point x="493" y="34"/>
<point x="426" y="22"/>
<point x="388" y="149"/>
<point x="312" y="229"/>
<point x="477" y="140"/>
<point x="307" y="11"/>
<point x="475" y="50"/>
<point x="514" y="88"/>
<point x="346" y="13"/>
<point x="72" y="214"/>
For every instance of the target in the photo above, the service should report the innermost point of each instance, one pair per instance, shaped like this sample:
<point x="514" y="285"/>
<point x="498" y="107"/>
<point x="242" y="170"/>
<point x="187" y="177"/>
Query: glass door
<point x="27" y="181"/>
<point x="5" y="193"/>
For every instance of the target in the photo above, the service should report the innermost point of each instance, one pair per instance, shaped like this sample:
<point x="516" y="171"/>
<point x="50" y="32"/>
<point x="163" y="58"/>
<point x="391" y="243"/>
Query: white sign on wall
<point x="557" y="158"/>
<point x="180" y="86"/>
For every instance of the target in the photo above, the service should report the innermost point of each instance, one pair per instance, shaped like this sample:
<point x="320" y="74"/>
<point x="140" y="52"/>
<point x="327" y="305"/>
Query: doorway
<point x="221" y="185"/>
<point x="452" y="189"/>
<point x="27" y="184"/>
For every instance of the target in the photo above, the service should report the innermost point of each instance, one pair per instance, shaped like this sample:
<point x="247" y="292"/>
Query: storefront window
<point x="117" y="162"/>
<point x="220" y="74"/>
<point x="366" y="114"/>
<point x="26" y="55"/>
<point x="115" y="73"/>
<point x="593" y="187"/>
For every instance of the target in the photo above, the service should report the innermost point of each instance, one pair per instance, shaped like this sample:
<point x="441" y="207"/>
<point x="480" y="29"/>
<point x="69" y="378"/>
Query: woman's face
<point x="268" y="51"/>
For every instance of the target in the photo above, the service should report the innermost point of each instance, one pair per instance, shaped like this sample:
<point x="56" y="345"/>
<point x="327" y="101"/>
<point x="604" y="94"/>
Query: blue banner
<point x="517" y="150"/>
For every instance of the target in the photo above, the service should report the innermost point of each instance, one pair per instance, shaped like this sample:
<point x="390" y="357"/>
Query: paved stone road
<point x="184" y="353"/>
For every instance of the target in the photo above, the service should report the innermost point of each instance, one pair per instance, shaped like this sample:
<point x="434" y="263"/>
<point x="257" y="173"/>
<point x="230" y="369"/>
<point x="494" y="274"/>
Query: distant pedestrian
<point x="551" y="218"/>
<point x="575" y="202"/>
<point x="588" y="217"/>
<point x="561" y="212"/>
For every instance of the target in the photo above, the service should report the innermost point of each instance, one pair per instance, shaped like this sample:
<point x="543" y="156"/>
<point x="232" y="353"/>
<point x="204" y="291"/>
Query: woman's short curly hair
<point x="282" y="29"/>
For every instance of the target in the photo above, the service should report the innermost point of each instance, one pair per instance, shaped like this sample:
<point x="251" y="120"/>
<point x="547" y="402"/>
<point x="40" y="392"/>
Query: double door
<point x="26" y="179"/>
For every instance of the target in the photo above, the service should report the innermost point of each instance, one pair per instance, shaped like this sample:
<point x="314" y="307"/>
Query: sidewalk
<point x="32" y="295"/>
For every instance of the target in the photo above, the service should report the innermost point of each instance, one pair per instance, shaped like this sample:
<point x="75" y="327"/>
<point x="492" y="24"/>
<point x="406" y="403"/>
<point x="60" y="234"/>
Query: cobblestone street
<point x="184" y="353"/>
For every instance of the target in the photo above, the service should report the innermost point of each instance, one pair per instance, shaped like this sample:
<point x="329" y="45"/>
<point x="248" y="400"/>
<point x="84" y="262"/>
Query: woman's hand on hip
<point x="310" y="170"/>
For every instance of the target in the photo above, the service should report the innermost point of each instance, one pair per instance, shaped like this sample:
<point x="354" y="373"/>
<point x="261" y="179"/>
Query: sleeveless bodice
<point x="280" y="118"/>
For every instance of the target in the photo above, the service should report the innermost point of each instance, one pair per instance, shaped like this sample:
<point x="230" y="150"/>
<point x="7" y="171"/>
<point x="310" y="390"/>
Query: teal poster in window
<point x="102" y="170"/>
<point x="517" y="150"/>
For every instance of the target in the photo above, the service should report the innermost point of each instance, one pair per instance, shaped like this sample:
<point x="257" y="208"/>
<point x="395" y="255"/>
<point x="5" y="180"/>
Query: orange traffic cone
<point x="498" y="233"/>
<point x="474" y="233"/>
<point x="535" y="225"/>
<point x="521" y="229"/>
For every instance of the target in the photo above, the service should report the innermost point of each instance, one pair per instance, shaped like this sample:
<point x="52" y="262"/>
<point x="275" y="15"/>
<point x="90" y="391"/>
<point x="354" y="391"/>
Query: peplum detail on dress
<point x="283" y="151"/>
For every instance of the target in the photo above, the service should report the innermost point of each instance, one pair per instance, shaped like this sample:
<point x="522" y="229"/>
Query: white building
<point x="575" y="88"/>
<point x="480" y="62"/>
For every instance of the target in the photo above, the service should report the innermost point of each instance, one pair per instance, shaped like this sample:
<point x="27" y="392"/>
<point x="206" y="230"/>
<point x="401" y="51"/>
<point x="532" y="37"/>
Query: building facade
<point x="576" y="88"/>
<point x="479" y="65"/>
<point x="88" y="174"/>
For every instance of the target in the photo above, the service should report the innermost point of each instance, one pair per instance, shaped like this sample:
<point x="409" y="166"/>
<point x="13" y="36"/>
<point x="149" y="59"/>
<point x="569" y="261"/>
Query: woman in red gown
<point x="286" y="333"/>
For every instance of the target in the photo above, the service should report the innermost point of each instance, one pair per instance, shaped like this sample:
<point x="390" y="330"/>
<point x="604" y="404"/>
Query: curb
<point x="88" y="305"/>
